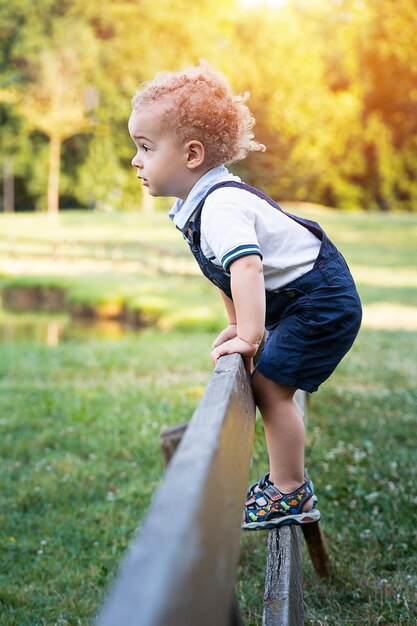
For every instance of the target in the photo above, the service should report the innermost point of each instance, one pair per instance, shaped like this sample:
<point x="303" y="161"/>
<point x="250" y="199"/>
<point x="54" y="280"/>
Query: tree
<point x="53" y="101"/>
<point x="332" y="89"/>
<point x="389" y="76"/>
<point x="304" y="122"/>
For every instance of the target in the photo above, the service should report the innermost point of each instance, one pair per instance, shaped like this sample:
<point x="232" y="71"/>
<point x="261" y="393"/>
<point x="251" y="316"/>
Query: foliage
<point x="332" y="88"/>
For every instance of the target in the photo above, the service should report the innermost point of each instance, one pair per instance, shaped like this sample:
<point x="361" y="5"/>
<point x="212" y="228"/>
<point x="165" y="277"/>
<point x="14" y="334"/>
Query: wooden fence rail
<point x="181" y="567"/>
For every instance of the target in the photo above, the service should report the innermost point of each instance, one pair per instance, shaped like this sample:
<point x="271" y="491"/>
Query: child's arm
<point x="231" y="331"/>
<point x="230" y="307"/>
<point x="248" y="290"/>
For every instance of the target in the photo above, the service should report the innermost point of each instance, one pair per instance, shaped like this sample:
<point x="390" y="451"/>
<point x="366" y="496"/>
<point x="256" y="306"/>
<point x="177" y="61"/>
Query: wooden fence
<point x="181" y="567"/>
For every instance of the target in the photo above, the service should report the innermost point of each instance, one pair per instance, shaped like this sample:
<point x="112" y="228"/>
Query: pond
<point x="53" y="329"/>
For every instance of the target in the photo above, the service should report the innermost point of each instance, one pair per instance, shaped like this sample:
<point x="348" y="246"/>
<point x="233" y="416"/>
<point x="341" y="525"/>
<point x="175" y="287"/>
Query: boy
<point x="273" y="269"/>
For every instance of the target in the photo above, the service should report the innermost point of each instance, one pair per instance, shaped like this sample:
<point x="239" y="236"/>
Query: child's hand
<point x="228" y="333"/>
<point x="232" y="346"/>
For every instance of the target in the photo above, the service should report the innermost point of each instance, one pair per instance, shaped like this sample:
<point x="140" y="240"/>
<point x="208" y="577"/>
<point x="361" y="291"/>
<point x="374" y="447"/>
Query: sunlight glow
<point x="270" y="4"/>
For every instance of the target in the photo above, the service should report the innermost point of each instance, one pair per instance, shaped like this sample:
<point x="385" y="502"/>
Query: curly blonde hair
<point x="201" y="106"/>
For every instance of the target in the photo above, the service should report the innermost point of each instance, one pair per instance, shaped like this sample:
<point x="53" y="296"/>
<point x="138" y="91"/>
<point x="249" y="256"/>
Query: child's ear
<point x="196" y="154"/>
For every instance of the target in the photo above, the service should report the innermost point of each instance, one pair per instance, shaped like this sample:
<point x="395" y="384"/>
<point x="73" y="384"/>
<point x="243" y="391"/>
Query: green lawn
<point x="80" y="421"/>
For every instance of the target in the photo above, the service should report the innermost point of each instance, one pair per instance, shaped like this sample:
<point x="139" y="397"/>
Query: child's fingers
<point x="219" y="351"/>
<point x="230" y="347"/>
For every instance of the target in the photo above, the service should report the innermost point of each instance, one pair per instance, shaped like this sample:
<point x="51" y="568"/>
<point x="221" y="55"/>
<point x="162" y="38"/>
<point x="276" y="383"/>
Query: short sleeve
<point x="229" y="230"/>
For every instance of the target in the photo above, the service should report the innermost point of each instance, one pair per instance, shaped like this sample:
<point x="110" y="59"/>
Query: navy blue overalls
<point x="312" y="321"/>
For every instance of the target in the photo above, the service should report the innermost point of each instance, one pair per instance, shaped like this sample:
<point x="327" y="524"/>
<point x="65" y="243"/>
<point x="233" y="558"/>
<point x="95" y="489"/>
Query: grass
<point x="80" y="461"/>
<point x="109" y="263"/>
<point x="79" y="426"/>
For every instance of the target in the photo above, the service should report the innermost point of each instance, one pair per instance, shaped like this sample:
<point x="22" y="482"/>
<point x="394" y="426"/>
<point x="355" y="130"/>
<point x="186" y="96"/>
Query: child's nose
<point x="136" y="162"/>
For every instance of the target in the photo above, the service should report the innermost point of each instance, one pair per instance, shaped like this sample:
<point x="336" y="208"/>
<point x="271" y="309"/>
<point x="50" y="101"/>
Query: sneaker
<point x="270" y="508"/>
<point x="264" y="482"/>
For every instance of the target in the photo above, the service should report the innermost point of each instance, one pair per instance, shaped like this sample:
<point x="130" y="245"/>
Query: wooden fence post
<point x="283" y="600"/>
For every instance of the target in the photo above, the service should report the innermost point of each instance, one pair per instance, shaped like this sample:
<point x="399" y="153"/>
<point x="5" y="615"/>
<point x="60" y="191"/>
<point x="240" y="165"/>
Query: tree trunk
<point x="53" y="176"/>
<point x="8" y="185"/>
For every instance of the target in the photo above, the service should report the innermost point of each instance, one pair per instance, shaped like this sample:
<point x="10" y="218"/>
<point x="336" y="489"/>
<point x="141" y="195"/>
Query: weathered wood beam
<point x="181" y="567"/>
<point x="283" y="600"/>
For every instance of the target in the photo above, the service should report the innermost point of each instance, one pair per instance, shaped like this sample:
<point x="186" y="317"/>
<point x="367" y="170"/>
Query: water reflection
<point x="54" y="329"/>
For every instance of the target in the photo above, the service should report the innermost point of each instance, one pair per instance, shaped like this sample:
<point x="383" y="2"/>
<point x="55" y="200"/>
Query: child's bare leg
<point x="284" y="432"/>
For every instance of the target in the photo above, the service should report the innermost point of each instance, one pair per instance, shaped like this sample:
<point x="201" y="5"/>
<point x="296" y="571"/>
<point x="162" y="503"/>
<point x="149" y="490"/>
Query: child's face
<point x="161" y="158"/>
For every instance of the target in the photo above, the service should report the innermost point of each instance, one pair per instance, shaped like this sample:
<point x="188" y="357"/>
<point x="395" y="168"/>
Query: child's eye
<point x="145" y="148"/>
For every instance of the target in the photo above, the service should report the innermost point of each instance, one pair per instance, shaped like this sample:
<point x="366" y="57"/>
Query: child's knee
<point x="268" y="391"/>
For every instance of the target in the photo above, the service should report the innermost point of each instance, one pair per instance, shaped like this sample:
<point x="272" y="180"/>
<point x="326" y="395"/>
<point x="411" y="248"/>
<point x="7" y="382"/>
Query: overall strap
<point x="309" y="224"/>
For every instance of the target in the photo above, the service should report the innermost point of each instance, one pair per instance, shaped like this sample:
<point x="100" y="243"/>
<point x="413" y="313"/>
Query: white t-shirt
<point x="236" y="222"/>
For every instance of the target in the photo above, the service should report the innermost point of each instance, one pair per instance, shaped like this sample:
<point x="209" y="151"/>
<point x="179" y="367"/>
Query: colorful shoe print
<point x="264" y="482"/>
<point x="270" y="508"/>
